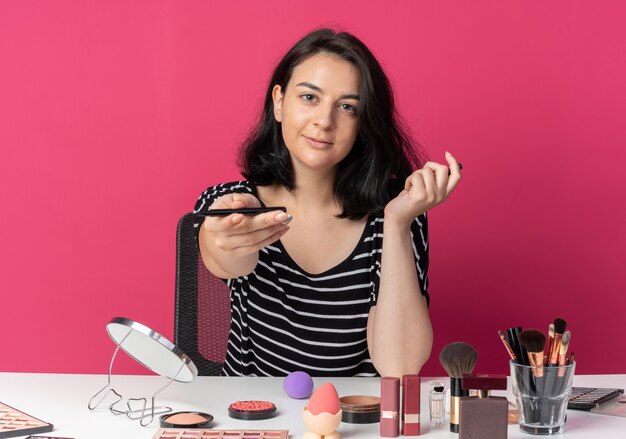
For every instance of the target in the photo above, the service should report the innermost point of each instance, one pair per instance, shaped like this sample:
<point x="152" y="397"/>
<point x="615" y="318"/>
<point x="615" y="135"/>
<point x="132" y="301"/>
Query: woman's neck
<point x="311" y="193"/>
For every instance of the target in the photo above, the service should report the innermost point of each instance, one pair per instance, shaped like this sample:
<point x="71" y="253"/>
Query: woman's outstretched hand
<point x="423" y="190"/>
<point x="240" y="235"/>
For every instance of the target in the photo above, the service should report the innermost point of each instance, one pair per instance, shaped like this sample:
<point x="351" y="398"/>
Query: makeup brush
<point x="550" y="340"/>
<point x="570" y="360"/>
<point x="507" y="346"/>
<point x="534" y="341"/>
<point x="512" y="335"/>
<point x="564" y="346"/>
<point x="563" y="352"/>
<point x="559" y="329"/>
<point x="457" y="359"/>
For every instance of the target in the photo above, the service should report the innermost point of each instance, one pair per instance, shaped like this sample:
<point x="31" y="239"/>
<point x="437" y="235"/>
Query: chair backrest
<point x="202" y="309"/>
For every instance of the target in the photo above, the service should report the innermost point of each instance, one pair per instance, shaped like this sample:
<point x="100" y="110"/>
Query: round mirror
<point x="152" y="350"/>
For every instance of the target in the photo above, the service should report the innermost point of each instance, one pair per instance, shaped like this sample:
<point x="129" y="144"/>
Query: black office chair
<point x="202" y="309"/>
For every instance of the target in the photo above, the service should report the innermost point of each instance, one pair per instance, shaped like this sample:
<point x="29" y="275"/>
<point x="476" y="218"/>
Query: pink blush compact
<point x="252" y="410"/>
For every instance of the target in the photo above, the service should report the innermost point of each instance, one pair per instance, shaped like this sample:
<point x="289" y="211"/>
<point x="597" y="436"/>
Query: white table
<point x="61" y="399"/>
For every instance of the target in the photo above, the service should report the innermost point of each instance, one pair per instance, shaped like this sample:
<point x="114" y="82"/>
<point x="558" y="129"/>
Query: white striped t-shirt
<point x="285" y="319"/>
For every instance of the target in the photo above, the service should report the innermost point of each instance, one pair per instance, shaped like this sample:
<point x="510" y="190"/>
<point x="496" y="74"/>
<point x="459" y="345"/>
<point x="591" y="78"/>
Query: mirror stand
<point x="146" y="411"/>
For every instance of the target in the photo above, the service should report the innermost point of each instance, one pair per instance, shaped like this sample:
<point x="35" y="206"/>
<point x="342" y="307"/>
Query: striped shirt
<point x="285" y="319"/>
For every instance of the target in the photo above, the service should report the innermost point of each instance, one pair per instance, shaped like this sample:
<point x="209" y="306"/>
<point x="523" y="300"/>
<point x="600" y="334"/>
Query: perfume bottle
<point x="437" y="399"/>
<point x="483" y="416"/>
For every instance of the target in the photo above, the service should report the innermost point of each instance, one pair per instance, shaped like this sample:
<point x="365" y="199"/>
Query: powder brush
<point x="457" y="359"/>
<point x="534" y="341"/>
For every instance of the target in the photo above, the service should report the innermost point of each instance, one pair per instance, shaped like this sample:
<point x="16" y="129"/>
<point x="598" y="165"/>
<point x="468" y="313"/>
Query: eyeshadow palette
<point x="185" y="433"/>
<point x="586" y="398"/>
<point x="15" y="423"/>
<point x="47" y="437"/>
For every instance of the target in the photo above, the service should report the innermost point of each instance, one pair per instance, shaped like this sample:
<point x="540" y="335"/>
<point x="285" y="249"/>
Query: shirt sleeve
<point x="419" y="235"/>
<point x="212" y="193"/>
<point x="419" y="238"/>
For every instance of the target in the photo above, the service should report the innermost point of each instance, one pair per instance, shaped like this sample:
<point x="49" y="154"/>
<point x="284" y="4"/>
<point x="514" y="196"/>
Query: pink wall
<point x="115" y="115"/>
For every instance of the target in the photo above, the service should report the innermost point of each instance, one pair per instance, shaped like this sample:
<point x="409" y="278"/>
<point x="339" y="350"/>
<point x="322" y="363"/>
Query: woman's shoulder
<point x="243" y="186"/>
<point x="231" y="186"/>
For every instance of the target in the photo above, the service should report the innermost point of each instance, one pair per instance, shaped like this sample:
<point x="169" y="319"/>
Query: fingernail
<point x="447" y="153"/>
<point x="288" y="220"/>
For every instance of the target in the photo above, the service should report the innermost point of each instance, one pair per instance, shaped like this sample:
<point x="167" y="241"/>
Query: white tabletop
<point x="61" y="399"/>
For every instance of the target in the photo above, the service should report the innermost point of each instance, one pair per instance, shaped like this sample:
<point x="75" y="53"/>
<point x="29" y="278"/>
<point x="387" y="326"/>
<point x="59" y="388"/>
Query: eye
<point x="307" y="97"/>
<point x="348" y="107"/>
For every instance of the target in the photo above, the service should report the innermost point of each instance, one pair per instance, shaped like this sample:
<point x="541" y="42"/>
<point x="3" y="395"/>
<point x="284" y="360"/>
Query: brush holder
<point x="542" y="394"/>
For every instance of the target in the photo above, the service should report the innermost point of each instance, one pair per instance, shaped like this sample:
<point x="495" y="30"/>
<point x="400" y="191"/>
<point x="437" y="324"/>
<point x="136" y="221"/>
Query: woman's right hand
<point x="240" y="235"/>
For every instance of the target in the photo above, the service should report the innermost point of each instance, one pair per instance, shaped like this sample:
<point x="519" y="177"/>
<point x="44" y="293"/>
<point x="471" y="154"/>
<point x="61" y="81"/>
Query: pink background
<point x="115" y="115"/>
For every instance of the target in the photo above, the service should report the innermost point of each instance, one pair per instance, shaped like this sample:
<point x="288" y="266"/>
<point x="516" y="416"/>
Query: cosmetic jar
<point x="360" y="409"/>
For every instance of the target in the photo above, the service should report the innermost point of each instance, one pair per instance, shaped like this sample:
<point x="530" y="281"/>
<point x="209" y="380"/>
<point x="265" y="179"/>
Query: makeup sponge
<point x="324" y="399"/>
<point x="298" y="385"/>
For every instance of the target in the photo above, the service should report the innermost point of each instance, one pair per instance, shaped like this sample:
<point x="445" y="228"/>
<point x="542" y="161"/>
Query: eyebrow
<point x="317" y="88"/>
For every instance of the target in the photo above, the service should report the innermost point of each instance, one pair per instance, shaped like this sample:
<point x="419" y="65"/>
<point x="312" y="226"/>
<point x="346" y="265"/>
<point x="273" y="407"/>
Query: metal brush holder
<point x="154" y="352"/>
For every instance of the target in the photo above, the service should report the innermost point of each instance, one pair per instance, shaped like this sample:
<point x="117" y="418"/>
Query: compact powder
<point x="360" y="409"/>
<point x="252" y="410"/>
<point x="187" y="420"/>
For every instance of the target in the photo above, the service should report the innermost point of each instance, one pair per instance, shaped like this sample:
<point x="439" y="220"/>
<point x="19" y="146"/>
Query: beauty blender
<point x="322" y="415"/>
<point x="324" y="399"/>
<point x="298" y="385"/>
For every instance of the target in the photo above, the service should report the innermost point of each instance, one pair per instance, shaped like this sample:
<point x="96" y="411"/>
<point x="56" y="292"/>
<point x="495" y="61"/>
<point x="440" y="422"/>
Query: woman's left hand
<point x="423" y="190"/>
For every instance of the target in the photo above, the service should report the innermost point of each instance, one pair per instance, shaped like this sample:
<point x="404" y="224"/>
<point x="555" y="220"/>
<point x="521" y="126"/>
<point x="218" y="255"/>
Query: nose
<point x="323" y="118"/>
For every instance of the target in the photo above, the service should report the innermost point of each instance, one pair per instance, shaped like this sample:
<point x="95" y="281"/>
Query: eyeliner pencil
<point x="243" y="211"/>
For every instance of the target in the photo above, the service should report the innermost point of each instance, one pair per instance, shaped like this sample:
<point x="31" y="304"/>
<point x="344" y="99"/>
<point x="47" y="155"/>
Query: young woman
<point x="336" y="286"/>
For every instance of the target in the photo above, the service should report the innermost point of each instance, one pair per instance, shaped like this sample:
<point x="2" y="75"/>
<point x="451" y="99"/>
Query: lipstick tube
<point x="389" y="407"/>
<point x="411" y="405"/>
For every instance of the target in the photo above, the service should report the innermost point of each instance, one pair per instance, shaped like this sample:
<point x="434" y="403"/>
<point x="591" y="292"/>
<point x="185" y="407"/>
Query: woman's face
<point x="318" y="112"/>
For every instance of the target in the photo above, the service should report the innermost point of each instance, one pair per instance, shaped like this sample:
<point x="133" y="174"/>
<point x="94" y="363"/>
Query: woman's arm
<point x="399" y="332"/>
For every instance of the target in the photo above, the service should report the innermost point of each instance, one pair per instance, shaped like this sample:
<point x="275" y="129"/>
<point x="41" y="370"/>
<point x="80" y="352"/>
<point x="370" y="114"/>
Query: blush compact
<point x="187" y="420"/>
<point x="360" y="409"/>
<point x="252" y="410"/>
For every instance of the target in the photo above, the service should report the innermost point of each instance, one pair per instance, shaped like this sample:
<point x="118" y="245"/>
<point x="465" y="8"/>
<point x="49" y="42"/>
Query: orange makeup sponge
<point x="324" y="399"/>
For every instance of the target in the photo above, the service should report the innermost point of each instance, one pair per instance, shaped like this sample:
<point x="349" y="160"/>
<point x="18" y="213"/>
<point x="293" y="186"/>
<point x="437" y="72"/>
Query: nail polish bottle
<point x="483" y="416"/>
<point x="437" y="400"/>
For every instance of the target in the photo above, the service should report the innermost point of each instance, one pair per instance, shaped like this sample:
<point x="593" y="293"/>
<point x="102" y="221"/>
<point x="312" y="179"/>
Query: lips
<point x="318" y="143"/>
